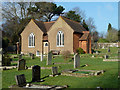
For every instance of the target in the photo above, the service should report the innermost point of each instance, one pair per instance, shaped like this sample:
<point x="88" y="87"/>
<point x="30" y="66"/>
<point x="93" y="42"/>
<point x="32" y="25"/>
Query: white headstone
<point x="76" y="60"/>
<point x="41" y="57"/>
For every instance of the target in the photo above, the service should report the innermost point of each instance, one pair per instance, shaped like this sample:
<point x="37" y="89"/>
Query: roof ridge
<point x="73" y="21"/>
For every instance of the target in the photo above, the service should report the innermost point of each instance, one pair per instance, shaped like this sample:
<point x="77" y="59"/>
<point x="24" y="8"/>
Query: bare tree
<point x="80" y="12"/>
<point x="91" y="25"/>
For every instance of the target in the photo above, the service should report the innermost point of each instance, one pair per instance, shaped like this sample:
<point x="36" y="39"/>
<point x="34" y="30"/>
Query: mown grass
<point x="107" y="80"/>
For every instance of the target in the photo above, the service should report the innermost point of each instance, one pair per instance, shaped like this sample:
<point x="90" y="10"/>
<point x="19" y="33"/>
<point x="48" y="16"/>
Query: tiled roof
<point x="45" y="26"/>
<point x="76" y="26"/>
<point x="84" y="36"/>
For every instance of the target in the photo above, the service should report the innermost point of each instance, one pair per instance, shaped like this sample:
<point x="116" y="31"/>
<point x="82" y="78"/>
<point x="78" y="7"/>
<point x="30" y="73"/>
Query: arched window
<point x="60" y="38"/>
<point x="31" y="40"/>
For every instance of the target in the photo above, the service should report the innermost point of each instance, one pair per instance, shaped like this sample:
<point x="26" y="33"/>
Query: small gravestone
<point x="76" y="60"/>
<point x="54" y="71"/>
<point x="36" y="73"/>
<point x="93" y="56"/>
<point x="41" y="57"/>
<point x="108" y="49"/>
<point x="49" y="58"/>
<point x="20" y="80"/>
<point x="20" y="56"/>
<point x="106" y="56"/>
<point x="96" y="52"/>
<point x="32" y="56"/>
<point x="21" y="64"/>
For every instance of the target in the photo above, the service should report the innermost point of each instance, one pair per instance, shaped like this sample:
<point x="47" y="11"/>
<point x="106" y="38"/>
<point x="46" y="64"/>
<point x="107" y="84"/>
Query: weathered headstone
<point x="20" y="56"/>
<point x="106" y="56"/>
<point x="36" y="73"/>
<point x="21" y="64"/>
<point x="41" y="57"/>
<point x="20" y="80"/>
<point x="49" y="58"/>
<point x="76" y="60"/>
<point x="54" y="71"/>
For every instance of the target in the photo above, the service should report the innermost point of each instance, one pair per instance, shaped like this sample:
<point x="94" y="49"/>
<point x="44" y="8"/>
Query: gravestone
<point x="54" y="71"/>
<point x="21" y="64"/>
<point x="41" y="57"/>
<point x="20" y="80"/>
<point x="20" y="56"/>
<point x="108" y="49"/>
<point x="96" y="52"/>
<point x="93" y="56"/>
<point x="106" y="56"/>
<point x="32" y="56"/>
<point x="36" y="73"/>
<point x="76" y="60"/>
<point x="49" y="58"/>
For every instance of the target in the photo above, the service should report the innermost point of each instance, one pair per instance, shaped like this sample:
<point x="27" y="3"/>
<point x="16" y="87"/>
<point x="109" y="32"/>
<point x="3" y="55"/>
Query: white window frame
<point x="60" y="39"/>
<point x="37" y="53"/>
<point x="32" y="46"/>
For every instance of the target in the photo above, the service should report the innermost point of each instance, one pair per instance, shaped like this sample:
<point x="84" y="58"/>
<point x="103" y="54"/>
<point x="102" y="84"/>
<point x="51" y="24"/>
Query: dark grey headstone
<point x="20" y="80"/>
<point x="32" y="56"/>
<point x="76" y="60"/>
<point x="108" y="49"/>
<point x="21" y="64"/>
<point x="54" y="71"/>
<point x="36" y="73"/>
<point x="49" y="58"/>
<point x="106" y="56"/>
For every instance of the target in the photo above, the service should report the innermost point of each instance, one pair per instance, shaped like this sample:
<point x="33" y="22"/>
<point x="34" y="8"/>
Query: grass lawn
<point x="107" y="80"/>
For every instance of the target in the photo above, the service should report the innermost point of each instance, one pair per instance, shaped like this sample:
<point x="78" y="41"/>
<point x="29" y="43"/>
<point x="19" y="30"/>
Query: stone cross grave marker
<point x="76" y="60"/>
<point x="106" y="56"/>
<point x="20" y="80"/>
<point x="49" y="58"/>
<point x="36" y="73"/>
<point x="41" y="57"/>
<point x="21" y="64"/>
<point x="54" y="71"/>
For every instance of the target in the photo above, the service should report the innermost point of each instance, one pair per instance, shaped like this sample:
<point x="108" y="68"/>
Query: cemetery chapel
<point x="62" y="35"/>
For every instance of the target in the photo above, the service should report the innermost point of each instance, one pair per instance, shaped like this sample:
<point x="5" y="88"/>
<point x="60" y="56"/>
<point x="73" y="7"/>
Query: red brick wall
<point x="76" y="37"/>
<point x="86" y="45"/>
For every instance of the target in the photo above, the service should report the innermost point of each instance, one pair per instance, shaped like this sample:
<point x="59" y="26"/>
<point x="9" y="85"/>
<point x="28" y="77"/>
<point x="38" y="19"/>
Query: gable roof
<point x="45" y="26"/>
<point x="84" y="36"/>
<point x="76" y="26"/>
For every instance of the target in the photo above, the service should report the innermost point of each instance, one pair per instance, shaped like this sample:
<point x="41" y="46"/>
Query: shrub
<point x="66" y="54"/>
<point x="80" y="51"/>
<point x="6" y="60"/>
<point x="102" y="40"/>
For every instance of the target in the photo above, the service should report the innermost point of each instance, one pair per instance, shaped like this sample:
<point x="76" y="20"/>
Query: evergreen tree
<point x="85" y="25"/>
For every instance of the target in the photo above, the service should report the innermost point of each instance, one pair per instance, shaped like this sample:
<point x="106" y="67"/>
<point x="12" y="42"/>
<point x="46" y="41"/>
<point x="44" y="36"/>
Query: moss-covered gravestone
<point x="49" y="58"/>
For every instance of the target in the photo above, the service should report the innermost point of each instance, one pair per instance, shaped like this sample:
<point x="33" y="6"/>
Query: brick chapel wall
<point x="76" y="43"/>
<point x="31" y="28"/>
<point x="61" y="25"/>
<point x="90" y="51"/>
